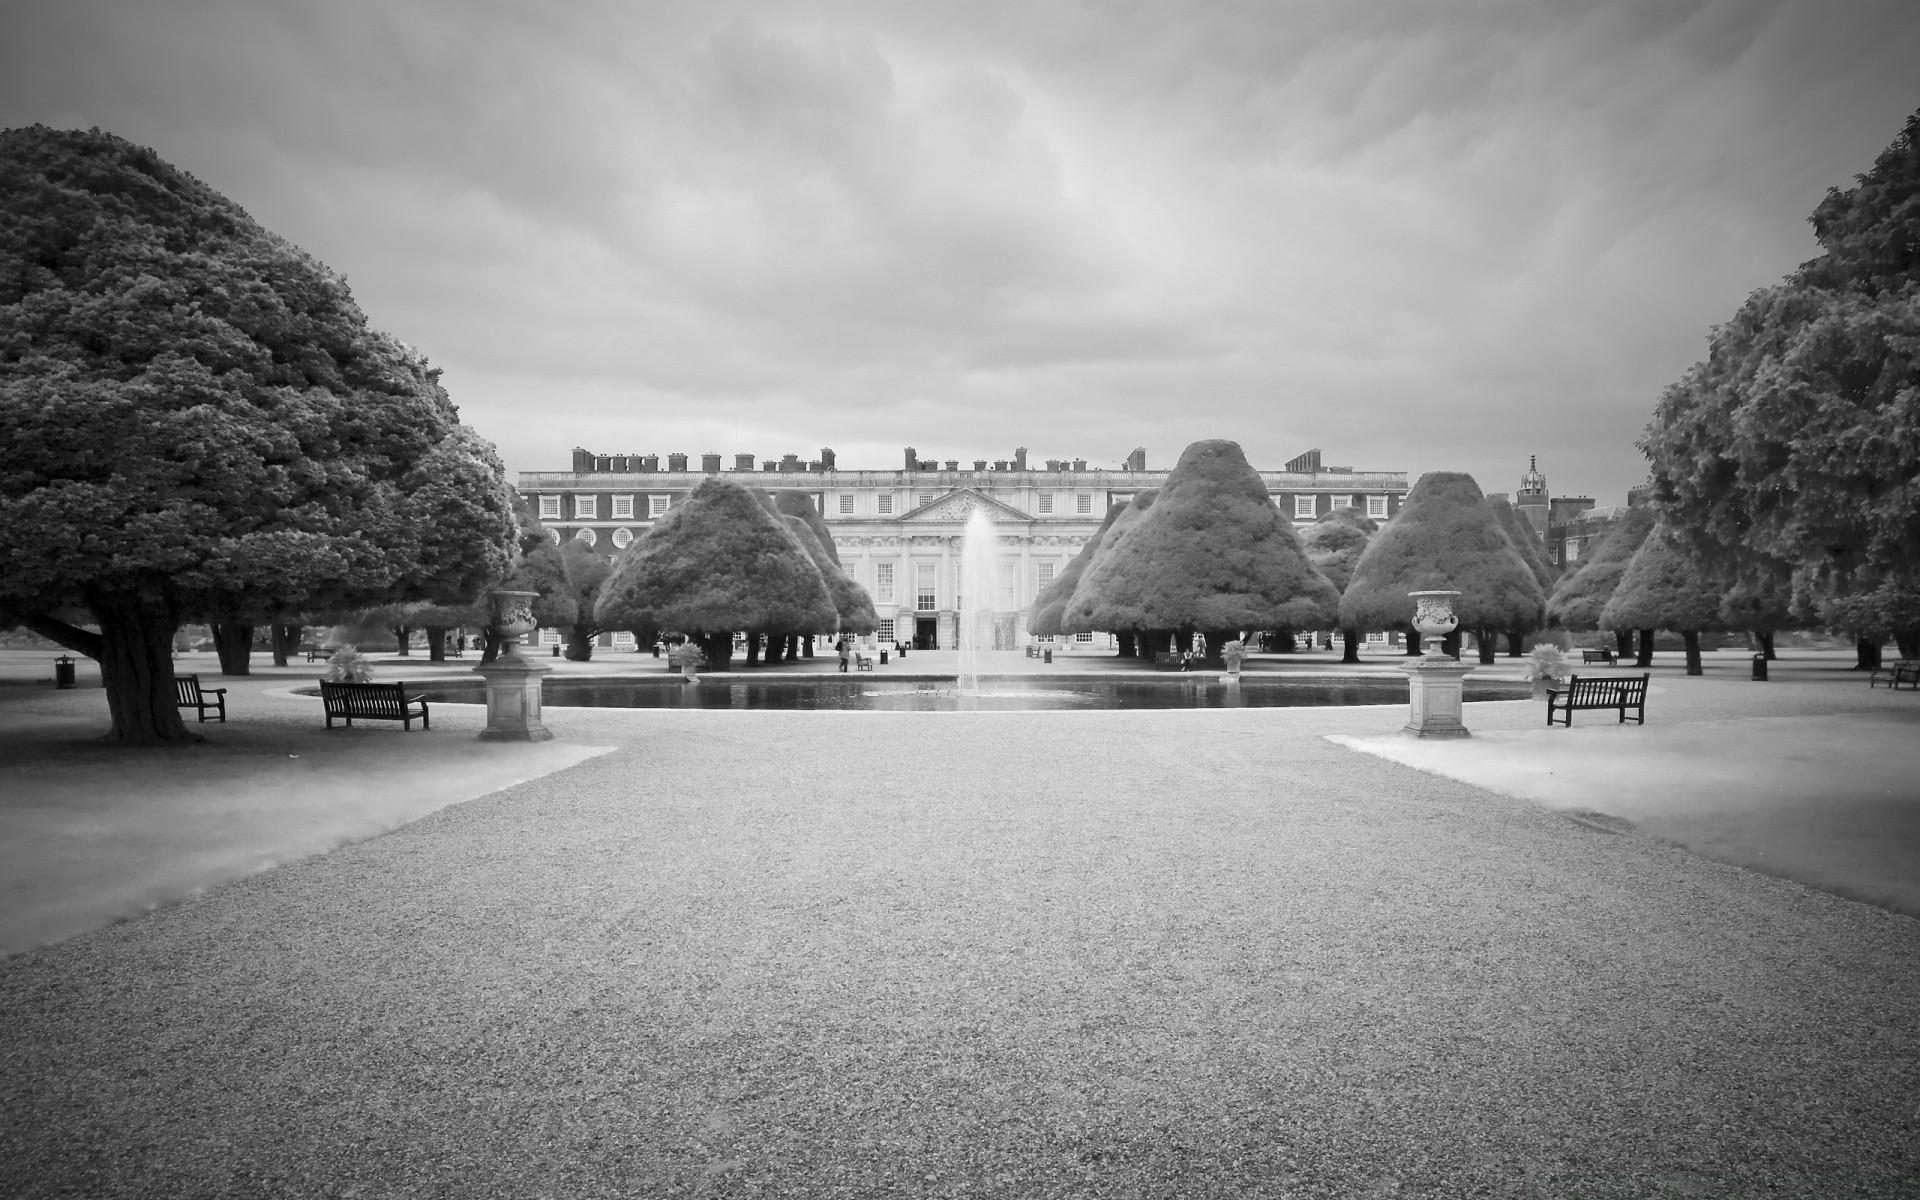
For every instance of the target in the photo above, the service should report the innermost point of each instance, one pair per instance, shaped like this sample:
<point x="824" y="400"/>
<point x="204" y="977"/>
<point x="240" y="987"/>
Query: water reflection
<point x="994" y="695"/>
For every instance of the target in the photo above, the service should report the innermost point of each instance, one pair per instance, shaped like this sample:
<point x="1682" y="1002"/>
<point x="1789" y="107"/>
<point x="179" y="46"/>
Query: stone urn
<point x="1433" y="613"/>
<point x="512" y="619"/>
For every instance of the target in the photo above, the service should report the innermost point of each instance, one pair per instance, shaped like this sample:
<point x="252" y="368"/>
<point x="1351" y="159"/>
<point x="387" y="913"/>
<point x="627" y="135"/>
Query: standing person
<point x="846" y="652"/>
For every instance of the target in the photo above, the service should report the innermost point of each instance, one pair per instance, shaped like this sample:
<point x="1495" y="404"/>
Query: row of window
<point x="587" y="507"/>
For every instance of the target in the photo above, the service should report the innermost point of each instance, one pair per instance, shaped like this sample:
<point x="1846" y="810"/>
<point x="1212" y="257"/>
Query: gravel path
<point x="1087" y="954"/>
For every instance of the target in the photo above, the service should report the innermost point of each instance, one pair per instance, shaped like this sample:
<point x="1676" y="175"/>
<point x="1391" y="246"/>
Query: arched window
<point x="555" y="535"/>
<point x="586" y="535"/>
<point x="623" y="538"/>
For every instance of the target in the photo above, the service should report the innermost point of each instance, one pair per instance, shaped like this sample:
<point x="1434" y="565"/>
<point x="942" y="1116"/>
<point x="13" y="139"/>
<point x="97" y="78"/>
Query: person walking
<point x="846" y="653"/>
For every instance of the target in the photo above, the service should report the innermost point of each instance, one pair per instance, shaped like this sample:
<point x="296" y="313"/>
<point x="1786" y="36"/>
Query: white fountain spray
<point x="979" y="552"/>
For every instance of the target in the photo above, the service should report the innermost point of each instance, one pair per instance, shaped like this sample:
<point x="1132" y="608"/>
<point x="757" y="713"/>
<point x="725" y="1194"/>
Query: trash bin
<point x="556" y="651"/>
<point x="1760" y="667"/>
<point x="63" y="672"/>
<point x="1047" y="656"/>
<point x="883" y="658"/>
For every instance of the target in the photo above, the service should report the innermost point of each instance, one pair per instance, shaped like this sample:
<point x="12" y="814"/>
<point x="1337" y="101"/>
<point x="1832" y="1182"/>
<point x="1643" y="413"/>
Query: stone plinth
<point x="1435" y="696"/>
<point x="513" y="700"/>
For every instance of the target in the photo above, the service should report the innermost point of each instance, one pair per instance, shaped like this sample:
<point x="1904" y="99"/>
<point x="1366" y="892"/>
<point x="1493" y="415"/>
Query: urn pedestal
<point x="1435" y="682"/>
<point x="513" y="682"/>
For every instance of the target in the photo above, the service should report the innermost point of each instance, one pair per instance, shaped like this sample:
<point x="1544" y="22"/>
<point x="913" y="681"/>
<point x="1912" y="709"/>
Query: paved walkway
<point x="1014" y="954"/>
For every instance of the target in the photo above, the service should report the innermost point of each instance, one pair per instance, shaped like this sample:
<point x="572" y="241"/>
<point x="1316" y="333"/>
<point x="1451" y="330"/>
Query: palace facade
<point x="899" y="532"/>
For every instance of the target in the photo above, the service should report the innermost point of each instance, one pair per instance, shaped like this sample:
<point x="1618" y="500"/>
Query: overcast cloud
<point x="1417" y="235"/>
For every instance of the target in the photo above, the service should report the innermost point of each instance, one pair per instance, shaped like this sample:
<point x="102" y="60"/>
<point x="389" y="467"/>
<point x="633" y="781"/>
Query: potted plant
<point x="348" y="665"/>
<point x="1233" y="653"/>
<point x="1546" y="665"/>
<point x="688" y="658"/>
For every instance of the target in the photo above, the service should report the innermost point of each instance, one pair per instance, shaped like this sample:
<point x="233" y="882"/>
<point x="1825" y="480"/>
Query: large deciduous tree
<point x="1797" y="439"/>
<point x="1444" y="538"/>
<point x="1211" y="554"/>
<point x="1667" y="587"/>
<point x="1334" y="544"/>
<point x="721" y="563"/>
<point x="1582" y="594"/>
<point x="196" y="421"/>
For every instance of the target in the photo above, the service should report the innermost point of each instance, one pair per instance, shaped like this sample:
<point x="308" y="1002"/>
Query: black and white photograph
<point x="1136" y="599"/>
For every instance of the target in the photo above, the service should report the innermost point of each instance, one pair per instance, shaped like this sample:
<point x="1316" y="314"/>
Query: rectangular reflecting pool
<point x="884" y="695"/>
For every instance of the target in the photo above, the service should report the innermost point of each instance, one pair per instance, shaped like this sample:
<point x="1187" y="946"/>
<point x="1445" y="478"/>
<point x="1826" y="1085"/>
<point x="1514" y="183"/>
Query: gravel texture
<point x="1081" y="954"/>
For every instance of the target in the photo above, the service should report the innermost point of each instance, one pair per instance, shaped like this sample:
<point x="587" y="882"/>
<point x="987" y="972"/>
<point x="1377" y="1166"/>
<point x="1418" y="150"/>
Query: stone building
<point x="898" y="532"/>
<point x="1555" y="519"/>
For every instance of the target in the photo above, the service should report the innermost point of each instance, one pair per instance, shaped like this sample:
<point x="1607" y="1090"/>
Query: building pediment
<point x="956" y="507"/>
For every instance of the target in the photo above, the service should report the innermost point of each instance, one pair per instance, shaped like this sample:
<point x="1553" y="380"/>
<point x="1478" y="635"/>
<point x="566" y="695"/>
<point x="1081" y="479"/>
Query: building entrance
<point x="926" y="635"/>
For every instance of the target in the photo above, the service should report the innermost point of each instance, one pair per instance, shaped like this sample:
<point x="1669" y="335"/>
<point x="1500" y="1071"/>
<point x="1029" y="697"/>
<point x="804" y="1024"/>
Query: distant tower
<point x="1531" y="499"/>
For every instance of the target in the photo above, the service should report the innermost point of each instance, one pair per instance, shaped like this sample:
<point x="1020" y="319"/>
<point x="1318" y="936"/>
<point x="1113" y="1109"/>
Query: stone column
<point x="513" y="682"/>
<point x="1435" y="681"/>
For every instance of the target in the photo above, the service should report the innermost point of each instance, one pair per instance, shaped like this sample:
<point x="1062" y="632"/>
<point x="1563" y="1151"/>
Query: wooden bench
<point x="1597" y="656"/>
<point x="1617" y="694"/>
<point x="316" y="653"/>
<point x="187" y="693"/>
<point x="862" y="661"/>
<point x="1899" y="671"/>
<point x="372" y="702"/>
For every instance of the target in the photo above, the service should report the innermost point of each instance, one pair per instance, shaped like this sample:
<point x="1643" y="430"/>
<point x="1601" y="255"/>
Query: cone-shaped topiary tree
<point x="197" y="422"/>
<point x="1334" y="544"/>
<point x="850" y="600"/>
<point x="1050" y="606"/>
<point x="1211" y="554"/>
<point x="799" y="504"/>
<point x="1444" y="537"/>
<point x="721" y="563"/>
<point x="1666" y="587"/>
<point x="1528" y="543"/>
<point x="1582" y="594"/>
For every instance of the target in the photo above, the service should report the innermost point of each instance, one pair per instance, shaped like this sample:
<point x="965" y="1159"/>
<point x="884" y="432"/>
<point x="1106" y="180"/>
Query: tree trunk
<point x="1283" y="640"/>
<point x="489" y="646"/>
<point x="774" y="642"/>
<point x="1413" y="643"/>
<point x="580" y="642"/>
<point x="1623" y="644"/>
<point x="1487" y="641"/>
<point x="437" y="643"/>
<point x="1692" y="639"/>
<point x="753" y="650"/>
<point x="1350" y="639"/>
<point x="1516" y="638"/>
<point x="1866" y="654"/>
<point x="1766" y="644"/>
<point x="718" y="648"/>
<point x="1450" y="644"/>
<point x="1216" y="638"/>
<point x="1908" y="642"/>
<point x="1127" y="649"/>
<point x="806" y="646"/>
<point x="404" y="635"/>
<point x="286" y="640"/>
<point x="1646" y="649"/>
<point x="136" y="665"/>
<point x="232" y="642"/>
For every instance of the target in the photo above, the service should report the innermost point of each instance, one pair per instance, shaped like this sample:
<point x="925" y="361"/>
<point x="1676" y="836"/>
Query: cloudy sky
<point x="1418" y="235"/>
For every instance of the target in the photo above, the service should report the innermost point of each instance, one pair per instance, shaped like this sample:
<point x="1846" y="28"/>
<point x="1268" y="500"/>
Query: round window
<point x="587" y="536"/>
<point x="622" y="538"/>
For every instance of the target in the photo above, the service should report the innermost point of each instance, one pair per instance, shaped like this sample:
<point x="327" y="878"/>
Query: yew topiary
<point x="722" y="563"/>
<point x="1580" y="597"/>
<point x="1050" y="606"/>
<point x="1444" y="537"/>
<point x="197" y="423"/>
<point x="1666" y="587"/>
<point x="1334" y="544"/>
<point x="1211" y="553"/>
